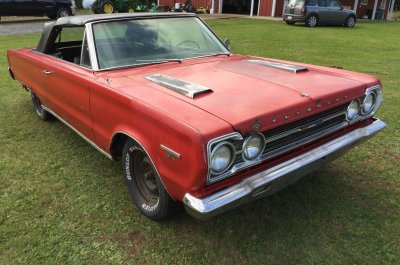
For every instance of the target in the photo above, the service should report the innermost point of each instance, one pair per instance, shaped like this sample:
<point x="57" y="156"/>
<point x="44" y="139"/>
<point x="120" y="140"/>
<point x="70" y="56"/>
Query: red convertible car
<point x="191" y="122"/>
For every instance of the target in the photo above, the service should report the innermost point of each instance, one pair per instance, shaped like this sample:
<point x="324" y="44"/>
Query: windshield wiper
<point x="145" y="62"/>
<point x="161" y="60"/>
<point x="204" y="54"/>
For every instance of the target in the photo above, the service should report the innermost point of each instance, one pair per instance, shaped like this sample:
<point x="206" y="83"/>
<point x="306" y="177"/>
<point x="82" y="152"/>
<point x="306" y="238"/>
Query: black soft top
<point x="76" y="21"/>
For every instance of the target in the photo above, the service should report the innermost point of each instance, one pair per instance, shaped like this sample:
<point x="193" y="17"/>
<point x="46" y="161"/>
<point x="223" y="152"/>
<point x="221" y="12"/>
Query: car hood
<point x="243" y="93"/>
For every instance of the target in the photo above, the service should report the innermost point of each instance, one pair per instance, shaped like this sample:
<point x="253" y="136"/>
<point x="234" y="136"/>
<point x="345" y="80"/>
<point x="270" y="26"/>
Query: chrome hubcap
<point x="63" y="13"/>
<point x="351" y="22"/>
<point x="312" y="21"/>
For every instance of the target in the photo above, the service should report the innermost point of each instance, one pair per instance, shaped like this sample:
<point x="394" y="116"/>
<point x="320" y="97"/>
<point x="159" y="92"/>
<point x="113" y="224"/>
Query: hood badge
<point x="256" y="126"/>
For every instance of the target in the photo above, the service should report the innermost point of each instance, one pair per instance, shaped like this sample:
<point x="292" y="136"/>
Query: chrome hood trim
<point x="280" y="66"/>
<point x="185" y="88"/>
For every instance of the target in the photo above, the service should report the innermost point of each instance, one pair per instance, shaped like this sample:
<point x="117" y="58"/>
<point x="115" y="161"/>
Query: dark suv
<point x="51" y="8"/>
<point x="314" y="12"/>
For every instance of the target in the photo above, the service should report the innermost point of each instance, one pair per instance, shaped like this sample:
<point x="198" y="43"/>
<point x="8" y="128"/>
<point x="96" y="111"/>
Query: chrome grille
<point x="288" y="137"/>
<point x="297" y="131"/>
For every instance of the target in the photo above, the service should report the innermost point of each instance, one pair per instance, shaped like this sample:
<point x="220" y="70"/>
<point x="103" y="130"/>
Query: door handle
<point x="47" y="72"/>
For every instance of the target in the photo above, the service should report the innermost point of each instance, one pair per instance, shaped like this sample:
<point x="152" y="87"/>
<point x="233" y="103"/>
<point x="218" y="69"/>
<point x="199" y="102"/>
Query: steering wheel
<point x="188" y="41"/>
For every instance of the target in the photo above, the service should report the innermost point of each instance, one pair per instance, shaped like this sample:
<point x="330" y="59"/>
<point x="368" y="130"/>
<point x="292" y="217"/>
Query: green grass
<point x="63" y="202"/>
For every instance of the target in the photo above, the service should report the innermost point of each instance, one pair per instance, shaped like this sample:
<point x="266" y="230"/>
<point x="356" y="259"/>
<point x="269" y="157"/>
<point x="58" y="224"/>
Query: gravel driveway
<point x="22" y="27"/>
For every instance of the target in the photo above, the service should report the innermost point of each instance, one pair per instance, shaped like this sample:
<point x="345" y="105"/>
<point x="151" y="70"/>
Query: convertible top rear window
<point x="144" y="41"/>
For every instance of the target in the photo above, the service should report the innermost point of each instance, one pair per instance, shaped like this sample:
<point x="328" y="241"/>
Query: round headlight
<point x="368" y="103"/>
<point x="353" y="109"/>
<point x="253" y="146"/>
<point x="221" y="157"/>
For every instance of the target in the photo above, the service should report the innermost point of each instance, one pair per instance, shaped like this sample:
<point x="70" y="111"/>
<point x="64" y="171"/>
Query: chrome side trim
<point x="281" y="66"/>
<point x="277" y="177"/>
<point x="170" y="151"/>
<point x="185" y="88"/>
<point x="76" y="131"/>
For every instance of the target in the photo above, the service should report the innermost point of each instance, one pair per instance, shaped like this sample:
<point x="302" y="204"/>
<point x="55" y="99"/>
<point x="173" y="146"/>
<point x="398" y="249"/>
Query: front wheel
<point x="144" y="183"/>
<point x="350" y="22"/>
<point x="312" y="21"/>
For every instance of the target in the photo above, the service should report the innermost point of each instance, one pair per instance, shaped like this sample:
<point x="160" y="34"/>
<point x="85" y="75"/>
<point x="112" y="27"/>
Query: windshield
<point x="146" y="41"/>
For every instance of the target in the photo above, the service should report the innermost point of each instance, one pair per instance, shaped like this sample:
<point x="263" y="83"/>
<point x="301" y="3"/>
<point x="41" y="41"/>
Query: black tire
<point x="104" y="7"/>
<point x="289" y="22"/>
<point x="350" y="21"/>
<point x="312" y="21"/>
<point x="63" y="12"/>
<point x="144" y="183"/>
<point x="40" y="112"/>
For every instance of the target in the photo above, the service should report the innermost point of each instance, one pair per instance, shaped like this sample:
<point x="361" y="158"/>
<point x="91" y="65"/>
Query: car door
<point x="33" y="7"/>
<point x="323" y="11"/>
<point x="335" y="12"/>
<point x="66" y="82"/>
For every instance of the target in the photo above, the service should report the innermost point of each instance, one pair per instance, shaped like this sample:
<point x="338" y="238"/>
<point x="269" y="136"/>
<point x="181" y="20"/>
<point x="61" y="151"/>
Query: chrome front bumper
<point x="274" y="179"/>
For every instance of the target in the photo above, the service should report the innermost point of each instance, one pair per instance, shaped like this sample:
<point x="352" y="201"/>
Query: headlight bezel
<point x="368" y="94"/>
<point x="377" y="93"/>
<point x="232" y="158"/>
<point x="358" y="110"/>
<point x="262" y="147"/>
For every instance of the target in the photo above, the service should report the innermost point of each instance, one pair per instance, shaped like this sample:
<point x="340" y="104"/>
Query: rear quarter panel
<point x="27" y="69"/>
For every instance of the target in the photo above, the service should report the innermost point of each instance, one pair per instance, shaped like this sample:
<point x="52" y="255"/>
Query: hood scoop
<point x="281" y="66"/>
<point x="182" y="87"/>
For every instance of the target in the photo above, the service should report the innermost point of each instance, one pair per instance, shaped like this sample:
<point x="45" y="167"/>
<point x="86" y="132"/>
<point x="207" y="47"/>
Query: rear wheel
<point x="312" y="21"/>
<point x="107" y="7"/>
<point x="289" y="22"/>
<point x="144" y="183"/>
<point x="40" y="112"/>
<point x="350" y="22"/>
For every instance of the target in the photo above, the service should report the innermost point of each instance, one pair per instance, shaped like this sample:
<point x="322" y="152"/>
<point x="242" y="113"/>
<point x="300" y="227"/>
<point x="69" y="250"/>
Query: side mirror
<point x="227" y="43"/>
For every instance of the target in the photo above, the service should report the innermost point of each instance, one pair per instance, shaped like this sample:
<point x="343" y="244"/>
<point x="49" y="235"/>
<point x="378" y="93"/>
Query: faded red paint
<point x="124" y="101"/>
